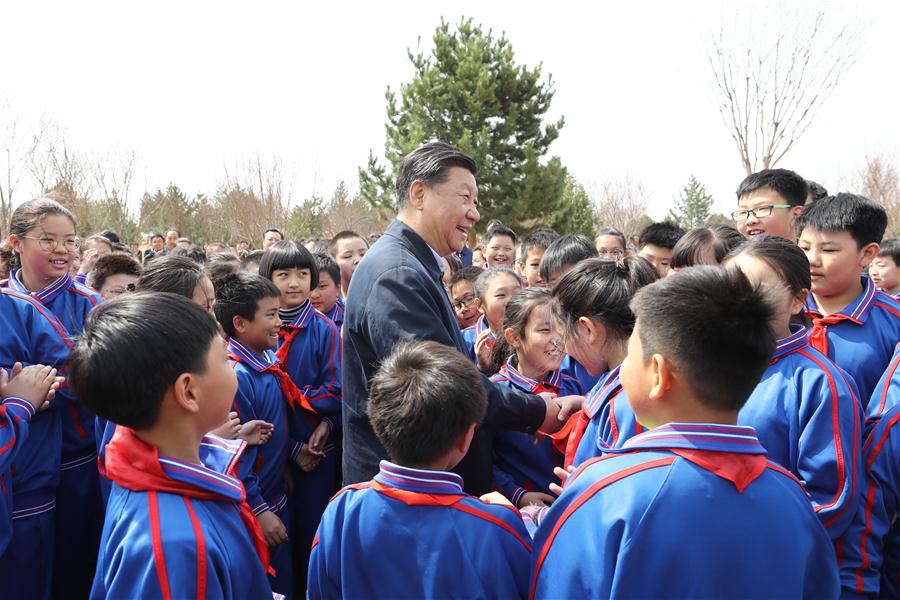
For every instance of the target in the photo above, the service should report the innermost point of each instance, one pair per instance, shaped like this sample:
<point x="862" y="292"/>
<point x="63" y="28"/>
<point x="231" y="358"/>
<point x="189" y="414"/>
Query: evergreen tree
<point x="575" y="213"/>
<point x="692" y="207"/>
<point x="470" y="92"/>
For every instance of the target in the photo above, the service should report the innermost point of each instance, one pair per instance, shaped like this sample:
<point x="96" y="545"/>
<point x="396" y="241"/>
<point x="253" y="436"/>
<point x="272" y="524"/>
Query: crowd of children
<point x="171" y="423"/>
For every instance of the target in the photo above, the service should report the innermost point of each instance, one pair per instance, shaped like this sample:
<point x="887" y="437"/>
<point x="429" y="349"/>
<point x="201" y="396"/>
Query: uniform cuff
<point x="19" y="407"/>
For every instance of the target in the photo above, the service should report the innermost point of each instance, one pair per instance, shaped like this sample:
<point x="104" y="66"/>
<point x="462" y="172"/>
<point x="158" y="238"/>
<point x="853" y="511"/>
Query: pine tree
<point x="692" y="207"/>
<point x="469" y="92"/>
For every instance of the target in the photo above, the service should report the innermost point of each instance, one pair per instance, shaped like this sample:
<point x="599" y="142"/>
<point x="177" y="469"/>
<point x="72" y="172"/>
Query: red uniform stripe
<point x="584" y="497"/>
<point x="201" y="550"/>
<point x="491" y="518"/>
<point x="887" y="382"/>
<point x="159" y="558"/>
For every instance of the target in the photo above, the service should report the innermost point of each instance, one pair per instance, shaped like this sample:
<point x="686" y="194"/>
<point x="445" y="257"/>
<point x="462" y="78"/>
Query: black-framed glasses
<point x="49" y="244"/>
<point x="758" y="212"/>
<point x="464" y="303"/>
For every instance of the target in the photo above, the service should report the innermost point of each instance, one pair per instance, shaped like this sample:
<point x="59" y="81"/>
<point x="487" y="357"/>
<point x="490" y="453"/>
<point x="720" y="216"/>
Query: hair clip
<point x="620" y="263"/>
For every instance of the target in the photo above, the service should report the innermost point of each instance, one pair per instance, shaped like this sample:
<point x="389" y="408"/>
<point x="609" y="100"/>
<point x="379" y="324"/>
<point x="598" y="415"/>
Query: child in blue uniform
<point x="20" y="397"/>
<point x="412" y="532"/>
<point x="591" y="302"/>
<point x="805" y="409"/>
<point x="527" y="357"/>
<point x="493" y="289"/>
<point x="853" y="323"/>
<point x="247" y="308"/>
<point x="885" y="269"/>
<point x="177" y="522"/>
<point x="530" y="254"/>
<point x="310" y="349"/>
<point x="660" y="516"/>
<point x="887" y="391"/>
<point x="43" y="234"/>
<point x="326" y="296"/>
<point x="871" y="546"/>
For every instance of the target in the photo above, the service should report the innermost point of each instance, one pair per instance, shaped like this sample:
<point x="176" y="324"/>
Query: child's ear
<point x="478" y="305"/>
<point x="594" y="332"/>
<point x="797" y="211"/>
<point x="512" y="337"/>
<point x="868" y="254"/>
<point x="15" y="242"/>
<point x="798" y="302"/>
<point x="185" y="393"/>
<point x="465" y="440"/>
<point x="662" y="376"/>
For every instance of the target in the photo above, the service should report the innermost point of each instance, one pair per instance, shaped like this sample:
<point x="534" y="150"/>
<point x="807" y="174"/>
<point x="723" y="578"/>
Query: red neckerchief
<point x="286" y="333"/>
<point x="291" y="392"/>
<point x="412" y="498"/>
<point x="818" y="335"/>
<point x="739" y="469"/>
<point x="134" y="465"/>
<point x="567" y="439"/>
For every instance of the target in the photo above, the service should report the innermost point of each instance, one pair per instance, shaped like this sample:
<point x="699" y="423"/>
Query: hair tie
<point x="620" y="264"/>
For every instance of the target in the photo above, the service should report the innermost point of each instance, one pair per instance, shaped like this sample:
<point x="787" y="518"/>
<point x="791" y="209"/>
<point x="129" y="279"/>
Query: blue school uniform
<point x="887" y="392"/>
<point x="573" y="368"/>
<point x="470" y="334"/>
<point x="807" y="417"/>
<point x="15" y="415"/>
<point x="871" y="546"/>
<point x="411" y="533"/>
<point x="661" y="518"/>
<point x="178" y="530"/>
<point x="262" y="468"/>
<point x="860" y="338"/>
<point x="605" y="421"/>
<point x="521" y="463"/>
<point x="310" y="350"/>
<point x="336" y="314"/>
<point x="79" y="508"/>
<point x="32" y="335"/>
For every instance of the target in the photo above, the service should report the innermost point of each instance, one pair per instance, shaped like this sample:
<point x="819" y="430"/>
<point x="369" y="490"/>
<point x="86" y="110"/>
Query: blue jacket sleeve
<point x="243" y="404"/>
<point x="15" y="415"/>
<point x="887" y="392"/>
<point x="864" y="542"/>
<point x="503" y="483"/>
<point x="829" y="448"/>
<point x="324" y="392"/>
<point x="324" y="576"/>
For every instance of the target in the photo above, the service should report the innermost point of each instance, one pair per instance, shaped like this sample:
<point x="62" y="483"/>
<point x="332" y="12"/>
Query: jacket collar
<point x="303" y="317"/>
<point x="526" y="383"/>
<point x="245" y="355"/>
<point x="422" y="251"/>
<point x="693" y="436"/>
<point x="418" y="480"/>
<point x="798" y="339"/>
<point x="45" y="295"/>
<point x="608" y="385"/>
<point x="857" y="311"/>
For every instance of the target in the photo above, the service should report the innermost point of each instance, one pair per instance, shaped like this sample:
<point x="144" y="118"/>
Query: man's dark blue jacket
<point x="396" y="294"/>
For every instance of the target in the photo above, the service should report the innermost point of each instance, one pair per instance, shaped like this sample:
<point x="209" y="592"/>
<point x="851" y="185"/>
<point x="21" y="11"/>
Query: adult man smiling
<point x="396" y="294"/>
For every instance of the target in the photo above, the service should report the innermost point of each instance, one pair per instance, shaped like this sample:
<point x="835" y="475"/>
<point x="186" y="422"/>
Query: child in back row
<point x="531" y="252"/>
<point x="177" y="522"/>
<point x="853" y="323"/>
<point x="498" y="246"/>
<point x="309" y="347"/>
<point x="527" y="357"/>
<point x="247" y="308"/>
<point x="885" y="269"/>
<point x="657" y="243"/>
<point x="43" y="235"/>
<point x="805" y="408"/>
<point x="493" y="289"/>
<point x="627" y="524"/>
<point x="704" y="246"/>
<point x="461" y="290"/>
<point x="412" y="532"/>
<point x="326" y="296"/>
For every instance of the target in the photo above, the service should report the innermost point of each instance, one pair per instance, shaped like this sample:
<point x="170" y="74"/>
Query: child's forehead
<point x="503" y="280"/>
<point x="760" y="197"/>
<point x="534" y="252"/>
<point x="825" y="236"/>
<point x="500" y="239"/>
<point x="462" y="286"/>
<point x="325" y="277"/>
<point x="351" y="243"/>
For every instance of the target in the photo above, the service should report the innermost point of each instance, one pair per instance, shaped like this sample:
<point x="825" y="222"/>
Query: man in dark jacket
<point x="396" y="293"/>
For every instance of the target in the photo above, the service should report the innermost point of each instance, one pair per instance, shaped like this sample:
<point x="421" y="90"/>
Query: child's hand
<point x="230" y="428"/>
<point x="496" y="498"/>
<point x="272" y="528"/>
<point x="484" y="349"/>
<point x="318" y="439"/>
<point x="306" y="460"/>
<point x="256" y="432"/>
<point x="88" y="260"/>
<point x="536" y="498"/>
<point x="36" y="384"/>
<point x="563" y="474"/>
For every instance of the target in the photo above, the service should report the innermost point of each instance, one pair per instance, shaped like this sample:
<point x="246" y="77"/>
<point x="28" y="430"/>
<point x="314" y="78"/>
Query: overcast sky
<point x="194" y="86"/>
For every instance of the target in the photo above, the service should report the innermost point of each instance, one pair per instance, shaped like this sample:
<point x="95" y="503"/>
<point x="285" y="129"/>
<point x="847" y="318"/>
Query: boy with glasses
<point x="768" y="203"/>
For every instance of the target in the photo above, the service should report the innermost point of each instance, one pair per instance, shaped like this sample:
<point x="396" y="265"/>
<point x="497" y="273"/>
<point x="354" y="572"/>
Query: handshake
<point x="559" y="409"/>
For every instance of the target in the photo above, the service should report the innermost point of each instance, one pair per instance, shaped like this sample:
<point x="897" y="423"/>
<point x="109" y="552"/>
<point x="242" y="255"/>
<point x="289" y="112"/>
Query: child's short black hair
<point x="252" y="258"/>
<point x="133" y="349"/>
<point x="784" y="182"/>
<point x="816" y="190"/>
<point x="891" y="248"/>
<point x="664" y="235"/>
<point x="466" y="274"/>
<point x="566" y="251"/>
<point x="327" y="265"/>
<point x="173" y="274"/>
<point x="864" y="220"/>
<point x="541" y="238"/>
<point x="714" y="326"/>
<point x="194" y="253"/>
<point x="344" y="235"/>
<point x="721" y="238"/>
<point x="424" y="396"/>
<point x="288" y="254"/>
<point x="602" y="289"/>
<point x="496" y="229"/>
<point x="113" y="264"/>
<point x="238" y="295"/>
<point x="221" y="265"/>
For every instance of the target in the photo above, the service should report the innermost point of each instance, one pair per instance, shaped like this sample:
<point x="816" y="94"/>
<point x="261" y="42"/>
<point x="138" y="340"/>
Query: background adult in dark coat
<point x="396" y="293"/>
